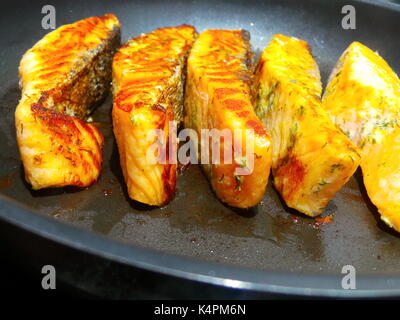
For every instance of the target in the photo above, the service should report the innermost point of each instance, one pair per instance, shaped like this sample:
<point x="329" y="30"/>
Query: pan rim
<point x="382" y="3"/>
<point x="168" y="264"/>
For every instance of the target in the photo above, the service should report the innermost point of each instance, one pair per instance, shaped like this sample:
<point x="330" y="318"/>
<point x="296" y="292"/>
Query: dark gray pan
<point x="269" y="248"/>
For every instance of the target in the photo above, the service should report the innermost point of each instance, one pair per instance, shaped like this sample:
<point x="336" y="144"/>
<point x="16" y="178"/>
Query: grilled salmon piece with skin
<point x="148" y="78"/>
<point x="363" y="99"/>
<point x="218" y="97"/>
<point x="311" y="158"/>
<point x="63" y="77"/>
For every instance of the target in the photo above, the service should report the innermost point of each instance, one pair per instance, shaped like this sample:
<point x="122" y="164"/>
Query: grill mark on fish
<point x="148" y="77"/>
<point x="218" y="97"/>
<point x="63" y="77"/>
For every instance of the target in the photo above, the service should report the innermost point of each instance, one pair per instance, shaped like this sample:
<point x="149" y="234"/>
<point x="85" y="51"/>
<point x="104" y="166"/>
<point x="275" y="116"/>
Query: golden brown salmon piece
<point x="148" y="78"/>
<point x="363" y="99"/>
<point x="311" y="158"/>
<point x="63" y="76"/>
<point x="218" y="97"/>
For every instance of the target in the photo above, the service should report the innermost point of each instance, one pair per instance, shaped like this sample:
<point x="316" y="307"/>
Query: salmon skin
<point x="63" y="77"/>
<point x="363" y="98"/>
<point x="148" y="78"/>
<point x="218" y="97"/>
<point x="311" y="158"/>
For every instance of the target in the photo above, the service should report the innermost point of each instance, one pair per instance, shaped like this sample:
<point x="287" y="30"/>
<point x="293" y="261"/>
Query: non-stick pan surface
<point x="268" y="248"/>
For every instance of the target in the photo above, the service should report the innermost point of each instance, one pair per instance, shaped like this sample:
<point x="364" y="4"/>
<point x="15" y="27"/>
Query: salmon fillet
<point x="218" y="97"/>
<point x="363" y="99"/>
<point x="62" y="77"/>
<point x="311" y="158"/>
<point x="148" y="78"/>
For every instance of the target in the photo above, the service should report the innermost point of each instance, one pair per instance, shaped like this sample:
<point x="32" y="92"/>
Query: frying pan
<point x="269" y="248"/>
